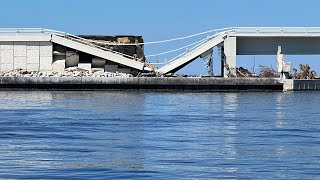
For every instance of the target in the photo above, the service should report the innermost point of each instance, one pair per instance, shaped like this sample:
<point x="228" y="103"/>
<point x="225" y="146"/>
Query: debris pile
<point x="268" y="72"/>
<point x="243" y="72"/>
<point x="69" y="72"/>
<point x="136" y="49"/>
<point x="304" y="73"/>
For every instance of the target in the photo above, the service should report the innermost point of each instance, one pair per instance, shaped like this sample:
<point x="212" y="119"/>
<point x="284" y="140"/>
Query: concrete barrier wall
<point x="301" y="85"/>
<point x="306" y="85"/>
<point x="91" y="83"/>
<point x="31" y="56"/>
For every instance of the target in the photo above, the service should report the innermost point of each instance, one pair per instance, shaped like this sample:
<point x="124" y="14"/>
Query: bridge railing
<point x="42" y="31"/>
<point x="238" y="31"/>
<point x="277" y="31"/>
<point x="254" y="30"/>
<point x="197" y="46"/>
<point x="257" y="31"/>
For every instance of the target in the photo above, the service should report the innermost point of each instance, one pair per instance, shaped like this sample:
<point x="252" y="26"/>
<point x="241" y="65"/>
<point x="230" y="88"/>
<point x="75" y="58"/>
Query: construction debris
<point x="136" y="51"/>
<point x="242" y="72"/>
<point x="69" y="72"/>
<point x="268" y="72"/>
<point x="304" y="73"/>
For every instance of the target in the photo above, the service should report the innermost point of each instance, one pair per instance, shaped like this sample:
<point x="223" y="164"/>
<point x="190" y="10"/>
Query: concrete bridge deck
<point x="251" y="41"/>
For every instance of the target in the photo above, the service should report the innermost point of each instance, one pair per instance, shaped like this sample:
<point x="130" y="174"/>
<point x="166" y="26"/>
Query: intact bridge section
<point x="250" y="41"/>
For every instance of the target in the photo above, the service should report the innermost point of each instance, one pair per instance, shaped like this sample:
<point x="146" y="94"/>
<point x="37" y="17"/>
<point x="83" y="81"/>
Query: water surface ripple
<point x="145" y="135"/>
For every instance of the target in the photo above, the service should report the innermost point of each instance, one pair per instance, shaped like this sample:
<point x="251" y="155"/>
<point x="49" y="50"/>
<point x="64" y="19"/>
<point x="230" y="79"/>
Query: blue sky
<point x="162" y="19"/>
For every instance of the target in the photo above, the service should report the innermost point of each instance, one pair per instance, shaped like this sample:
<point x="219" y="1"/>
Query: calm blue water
<point x="145" y="135"/>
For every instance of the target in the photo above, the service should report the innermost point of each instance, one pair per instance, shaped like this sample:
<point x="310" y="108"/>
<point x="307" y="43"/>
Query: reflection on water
<point x="280" y="110"/>
<point x="230" y="105"/>
<point x="125" y="135"/>
<point x="24" y="100"/>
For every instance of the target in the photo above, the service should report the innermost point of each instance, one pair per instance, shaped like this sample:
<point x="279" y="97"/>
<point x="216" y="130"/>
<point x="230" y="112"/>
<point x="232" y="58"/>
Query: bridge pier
<point x="229" y="57"/>
<point x="208" y="61"/>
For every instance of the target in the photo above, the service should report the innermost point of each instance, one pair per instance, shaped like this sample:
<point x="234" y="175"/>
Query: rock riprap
<point x="69" y="72"/>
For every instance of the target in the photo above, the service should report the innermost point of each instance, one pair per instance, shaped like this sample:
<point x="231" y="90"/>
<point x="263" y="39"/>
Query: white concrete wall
<point x="46" y="58"/>
<point x="31" y="56"/>
<point x="230" y="51"/>
<point x="20" y="55"/>
<point x="6" y="51"/>
<point x="288" y="85"/>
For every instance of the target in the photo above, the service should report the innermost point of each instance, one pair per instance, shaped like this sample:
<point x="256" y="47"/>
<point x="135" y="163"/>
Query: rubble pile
<point x="268" y="72"/>
<point x="69" y="72"/>
<point x="304" y="73"/>
<point x="243" y="72"/>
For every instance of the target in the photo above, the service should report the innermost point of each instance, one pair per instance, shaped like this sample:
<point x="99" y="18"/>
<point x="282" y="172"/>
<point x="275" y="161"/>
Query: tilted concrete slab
<point x="192" y="55"/>
<point x="117" y="58"/>
<point x="254" y="41"/>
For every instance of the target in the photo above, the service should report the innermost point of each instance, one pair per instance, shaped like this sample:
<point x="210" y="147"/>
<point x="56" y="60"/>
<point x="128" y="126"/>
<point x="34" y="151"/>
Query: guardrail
<point x="194" y="48"/>
<point x="277" y="30"/>
<point x="252" y="31"/>
<point x="41" y="31"/>
<point x="302" y="31"/>
<point x="18" y="31"/>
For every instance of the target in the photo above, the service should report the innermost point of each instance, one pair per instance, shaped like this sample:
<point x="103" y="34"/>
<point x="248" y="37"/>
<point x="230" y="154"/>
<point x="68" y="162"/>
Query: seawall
<point x="301" y="85"/>
<point x="140" y="83"/>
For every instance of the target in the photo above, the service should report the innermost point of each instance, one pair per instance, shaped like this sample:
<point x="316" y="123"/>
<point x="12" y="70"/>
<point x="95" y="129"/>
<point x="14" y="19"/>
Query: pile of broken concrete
<point x="69" y="72"/>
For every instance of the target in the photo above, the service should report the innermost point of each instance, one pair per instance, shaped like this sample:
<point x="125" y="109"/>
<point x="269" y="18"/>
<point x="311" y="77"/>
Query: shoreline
<point x="212" y="84"/>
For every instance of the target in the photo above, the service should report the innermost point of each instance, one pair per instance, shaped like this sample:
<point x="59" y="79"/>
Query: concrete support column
<point x="230" y="57"/>
<point x="208" y="61"/>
